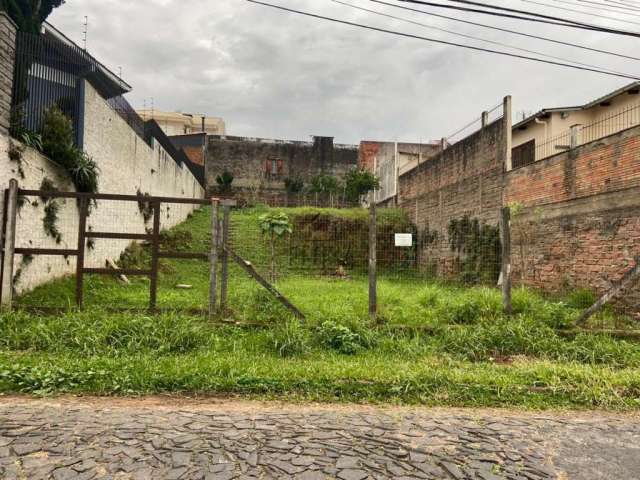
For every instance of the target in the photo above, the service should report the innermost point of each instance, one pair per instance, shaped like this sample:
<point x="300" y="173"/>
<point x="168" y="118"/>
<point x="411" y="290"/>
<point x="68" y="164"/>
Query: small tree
<point x="324" y="184"/>
<point x="358" y="182"/>
<point x="294" y="185"/>
<point x="224" y="181"/>
<point x="274" y="225"/>
<point x="29" y="14"/>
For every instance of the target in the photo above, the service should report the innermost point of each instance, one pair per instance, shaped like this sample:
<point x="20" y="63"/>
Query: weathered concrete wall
<point x="127" y="165"/>
<point x="463" y="180"/>
<point x="261" y="164"/>
<point x="7" y="58"/>
<point x="580" y="220"/>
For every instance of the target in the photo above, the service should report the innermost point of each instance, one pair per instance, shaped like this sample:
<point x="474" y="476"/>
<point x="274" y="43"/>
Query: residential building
<point x="178" y="123"/>
<point x="554" y="130"/>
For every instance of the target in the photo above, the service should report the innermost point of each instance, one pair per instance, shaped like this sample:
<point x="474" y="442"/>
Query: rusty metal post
<point x="82" y="231"/>
<point x="373" y="290"/>
<point x="213" y="259"/>
<point x="8" y="250"/>
<point x="155" y="249"/>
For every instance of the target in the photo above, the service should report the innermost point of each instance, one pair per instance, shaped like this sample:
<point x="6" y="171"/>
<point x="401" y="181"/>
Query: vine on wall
<point x="478" y="249"/>
<point x="51" y="210"/>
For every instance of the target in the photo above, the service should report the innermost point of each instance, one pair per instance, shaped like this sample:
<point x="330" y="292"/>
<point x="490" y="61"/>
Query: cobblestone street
<point x="151" y="439"/>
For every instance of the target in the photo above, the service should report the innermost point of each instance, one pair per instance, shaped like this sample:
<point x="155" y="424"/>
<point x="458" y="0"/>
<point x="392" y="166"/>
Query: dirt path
<point x="177" y="438"/>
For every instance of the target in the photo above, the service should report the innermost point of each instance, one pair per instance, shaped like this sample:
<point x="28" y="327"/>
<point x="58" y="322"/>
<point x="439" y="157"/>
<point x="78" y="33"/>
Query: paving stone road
<point x="150" y="439"/>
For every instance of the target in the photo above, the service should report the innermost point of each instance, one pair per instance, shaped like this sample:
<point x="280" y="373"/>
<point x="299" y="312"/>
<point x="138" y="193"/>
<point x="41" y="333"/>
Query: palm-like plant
<point x="275" y="225"/>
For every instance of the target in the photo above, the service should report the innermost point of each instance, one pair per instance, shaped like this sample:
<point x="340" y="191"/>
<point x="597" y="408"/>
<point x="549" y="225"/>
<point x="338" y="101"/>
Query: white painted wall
<point x="127" y="164"/>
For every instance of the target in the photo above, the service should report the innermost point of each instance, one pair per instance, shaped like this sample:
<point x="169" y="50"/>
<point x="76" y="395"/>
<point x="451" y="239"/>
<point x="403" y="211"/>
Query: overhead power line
<point x="562" y="23"/>
<point x="506" y="30"/>
<point x="480" y="39"/>
<point x="581" y="12"/>
<point x="442" y="42"/>
<point x="606" y="7"/>
<point x="611" y="5"/>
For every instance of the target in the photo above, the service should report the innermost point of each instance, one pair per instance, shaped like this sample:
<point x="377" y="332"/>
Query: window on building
<point x="524" y="154"/>
<point x="274" y="168"/>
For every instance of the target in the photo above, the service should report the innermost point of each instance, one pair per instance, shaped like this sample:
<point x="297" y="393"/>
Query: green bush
<point x="472" y="306"/>
<point x="58" y="143"/>
<point x="342" y="338"/>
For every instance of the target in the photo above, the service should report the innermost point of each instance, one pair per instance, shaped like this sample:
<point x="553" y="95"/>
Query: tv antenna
<point x="85" y="30"/>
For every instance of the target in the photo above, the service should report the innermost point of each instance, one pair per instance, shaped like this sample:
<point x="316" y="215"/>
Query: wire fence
<point x="137" y="252"/>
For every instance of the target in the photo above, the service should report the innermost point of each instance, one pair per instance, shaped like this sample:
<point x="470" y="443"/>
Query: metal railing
<point x="46" y="74"/>
<point x="476" y="125"/>
<point x="123" y="108"/>
<point x="614" y="122"/>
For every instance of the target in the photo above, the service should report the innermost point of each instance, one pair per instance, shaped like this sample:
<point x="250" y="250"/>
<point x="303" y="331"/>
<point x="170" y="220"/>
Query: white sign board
<point x="404" y="240"/>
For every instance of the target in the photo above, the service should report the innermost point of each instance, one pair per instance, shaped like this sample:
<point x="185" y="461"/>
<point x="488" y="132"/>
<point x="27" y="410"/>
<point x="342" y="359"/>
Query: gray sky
<point x="275" y="74"/>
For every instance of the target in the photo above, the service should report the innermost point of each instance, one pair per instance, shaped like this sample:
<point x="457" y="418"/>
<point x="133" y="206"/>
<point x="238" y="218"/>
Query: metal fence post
<point x="225" y="257"/>
<point x="155" y="249"/>
<point x="505" y="228"/>
<point x="213" y="259"/>
<point x="373" y="291"/>
<point x="11" y="209"/>
<point x="82" y="232"/>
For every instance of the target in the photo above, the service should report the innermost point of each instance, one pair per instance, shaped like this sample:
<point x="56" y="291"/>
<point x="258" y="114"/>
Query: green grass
<point x="439" y="344"/>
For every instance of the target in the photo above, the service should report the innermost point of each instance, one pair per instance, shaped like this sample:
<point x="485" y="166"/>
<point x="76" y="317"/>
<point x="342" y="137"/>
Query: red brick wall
<point x="580" y="226"/>
<point x="465" y="179"/>
<point x="195" y="154"/>
<point x="366" y="155"/>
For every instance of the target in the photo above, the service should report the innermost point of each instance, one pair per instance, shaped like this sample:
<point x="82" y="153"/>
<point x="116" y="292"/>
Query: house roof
<point x="108" y="83"/>
<point x="591" y="104"/>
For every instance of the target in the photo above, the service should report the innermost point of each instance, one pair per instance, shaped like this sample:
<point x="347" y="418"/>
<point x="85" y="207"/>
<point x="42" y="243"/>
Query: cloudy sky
<point x="275" y="74"/>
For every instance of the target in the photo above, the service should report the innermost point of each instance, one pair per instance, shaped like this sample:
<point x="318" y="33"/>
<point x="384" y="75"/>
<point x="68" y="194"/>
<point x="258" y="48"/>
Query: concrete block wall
<point x="246" y="157"/>
<point x="7" y="59"/>
<point x="463" y="180"/>
<point x="127" y="165"/>
<point x="580" y="223"/>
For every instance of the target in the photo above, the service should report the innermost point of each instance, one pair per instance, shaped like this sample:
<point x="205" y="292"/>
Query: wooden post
<point x="226" y="209"/>
<point x="11" y="209"/>
<point x="82" y="231"/>
<point x="626" y="280"/>
<point x="373" y="291"/>
<point x="505" y="228"/>
<point x="213" y="259"/>
<point x="155" y="249"/>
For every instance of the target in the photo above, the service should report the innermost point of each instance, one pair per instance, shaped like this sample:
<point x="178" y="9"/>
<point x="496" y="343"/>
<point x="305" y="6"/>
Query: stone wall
<point x="463" y="180"/>
<point x="579" y="220"/>
<point x="128" y="165"/>
<point x="262" y="164"/>
<point x="7" y="59"/>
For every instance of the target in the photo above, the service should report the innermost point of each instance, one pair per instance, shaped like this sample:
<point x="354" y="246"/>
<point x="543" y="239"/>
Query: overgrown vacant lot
<point x="438" y="344"/>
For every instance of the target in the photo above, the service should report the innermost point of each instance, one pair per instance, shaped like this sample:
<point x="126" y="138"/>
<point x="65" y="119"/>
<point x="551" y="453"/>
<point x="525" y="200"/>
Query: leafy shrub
<point x="58" y="144"/>
<point x="84" y="173"/>
<point x="43" y="380"/>
<point x="225" y="181"/>
<point x="290" y="339"/>
<point x="294" y="185"/>
<point x="343" y="339"/>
